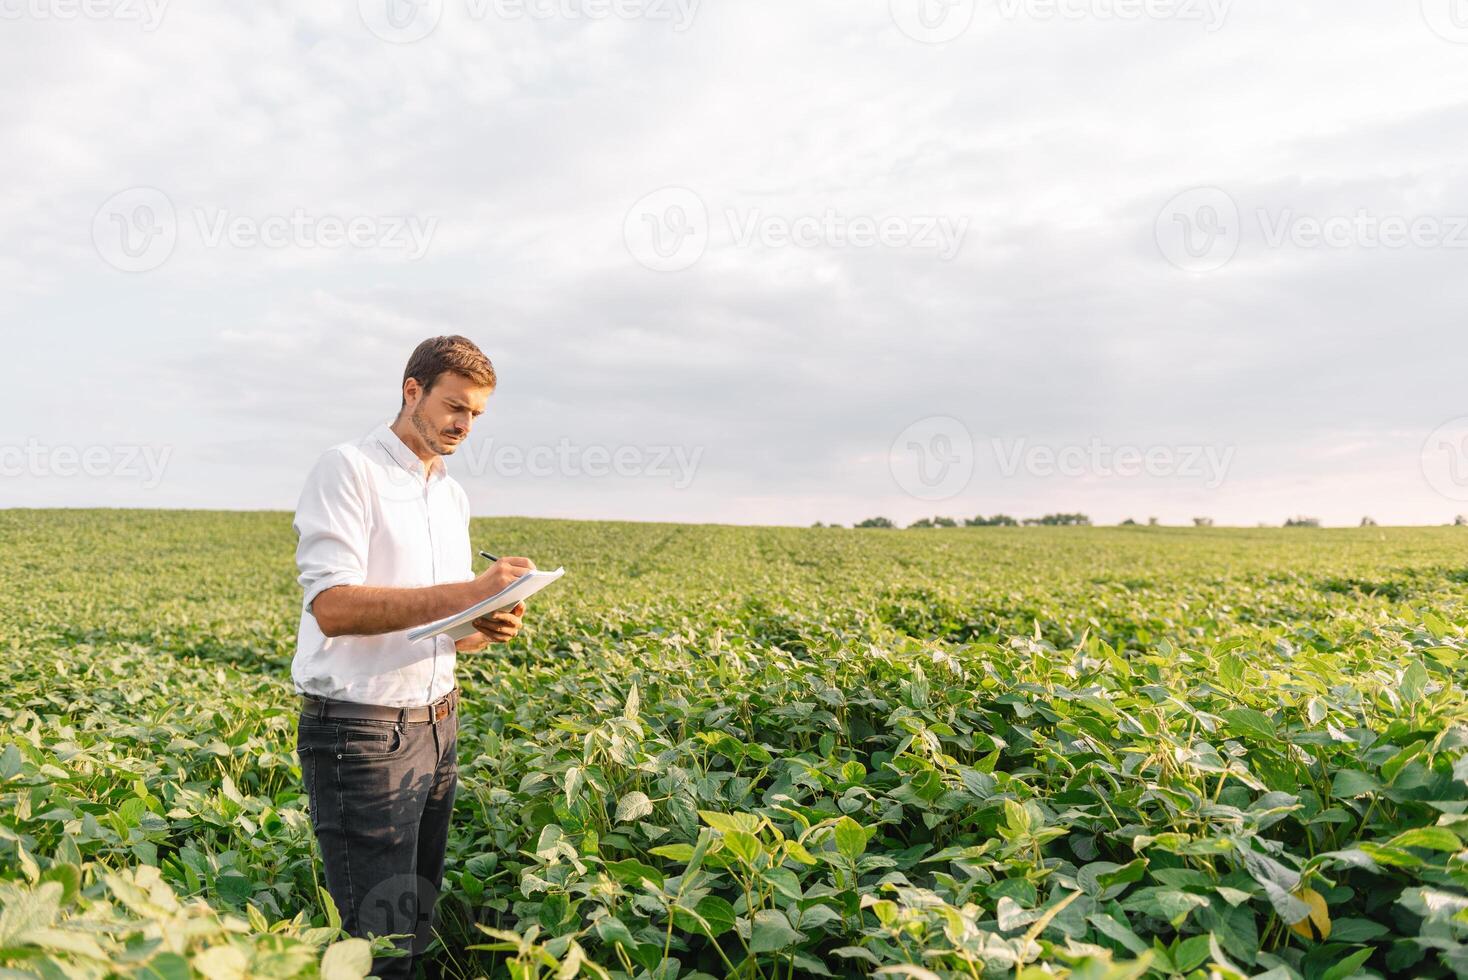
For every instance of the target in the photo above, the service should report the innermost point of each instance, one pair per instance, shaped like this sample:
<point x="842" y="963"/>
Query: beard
<point x="434" y="439"/>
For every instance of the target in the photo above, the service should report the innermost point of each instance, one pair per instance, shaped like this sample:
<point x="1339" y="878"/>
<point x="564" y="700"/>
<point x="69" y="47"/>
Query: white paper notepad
<point x="460" y="624"/>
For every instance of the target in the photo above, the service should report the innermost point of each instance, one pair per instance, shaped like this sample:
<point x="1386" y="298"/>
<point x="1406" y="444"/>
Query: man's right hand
<point x="500" y="574"/>
<point x="364" y="610"/>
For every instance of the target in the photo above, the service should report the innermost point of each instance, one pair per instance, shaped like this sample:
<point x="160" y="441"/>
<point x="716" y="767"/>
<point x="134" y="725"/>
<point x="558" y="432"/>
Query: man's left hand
<point x="500" y="627"/>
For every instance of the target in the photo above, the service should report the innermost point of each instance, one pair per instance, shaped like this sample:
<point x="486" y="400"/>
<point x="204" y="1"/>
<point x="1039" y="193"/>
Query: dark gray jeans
<point x="380" y="799"/>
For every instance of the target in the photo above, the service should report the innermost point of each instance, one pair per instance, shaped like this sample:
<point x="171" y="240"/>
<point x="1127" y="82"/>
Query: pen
<point x="485" y="554"/>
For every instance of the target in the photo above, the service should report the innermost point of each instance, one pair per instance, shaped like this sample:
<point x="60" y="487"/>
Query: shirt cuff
<point x="330" y="581"/>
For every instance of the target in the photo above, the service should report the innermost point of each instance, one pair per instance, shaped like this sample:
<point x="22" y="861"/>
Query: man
<point x="384" y="547"/>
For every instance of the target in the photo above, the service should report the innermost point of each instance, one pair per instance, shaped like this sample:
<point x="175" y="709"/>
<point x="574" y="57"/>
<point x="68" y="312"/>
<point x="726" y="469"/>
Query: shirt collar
<point x="404" y="456"/>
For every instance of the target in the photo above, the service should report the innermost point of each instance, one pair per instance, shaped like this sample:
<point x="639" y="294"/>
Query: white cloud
<point x="526" y="140"/>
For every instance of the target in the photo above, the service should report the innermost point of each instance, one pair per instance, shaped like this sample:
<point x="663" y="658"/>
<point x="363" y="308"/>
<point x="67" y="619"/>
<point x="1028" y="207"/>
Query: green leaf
<point x="10" y="762"/>
<point x="165" y="966"/>
<point x="1434" y="904"/>
<point x="851" y="839"/>
<point x="744" y="846"/>
<point x="1169" y="904"/>
<point x="1414" y="682"/>
<point x="1351" y="783"/>
<point x="633" y="806"/>
<point x="1118" y="932"/>
<point x="728" y="822"/>
<point x="1016" y="818"/>
<point x="1432" y="838"/>
<point x="233" y="887"/>
<point x="333" y="917"/>
<point x="575" y="779"/>
<point x="69" y="876"/>
<point x="1248" y="721"/>
<point x="1348" y="966"/>
<point x="1393" y="856"/>
<point x="1233" y="896"/>
<point x="1103" y="879"/>
<point x="1393" y="766"/>
<point x="1191" y="952"/>
<point x="784" y="881"/>
<point x="1357" y="930"/>
<point x="612" y="930"/>
<point x="1287" y="906"/>
<point x="349" y="959"/>
<point x="771" y="931"/>
<point x="906" y="970"/>
<point x="633" y="872"/>
<point x="717" y="913"/>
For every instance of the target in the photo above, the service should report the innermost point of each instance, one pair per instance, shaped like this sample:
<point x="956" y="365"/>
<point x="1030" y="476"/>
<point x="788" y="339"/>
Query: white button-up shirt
<point x="369" y="515"/>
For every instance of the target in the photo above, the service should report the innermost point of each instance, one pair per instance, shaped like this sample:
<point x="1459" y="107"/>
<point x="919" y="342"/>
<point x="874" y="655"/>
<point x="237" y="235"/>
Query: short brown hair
<point x="453" y="353"/>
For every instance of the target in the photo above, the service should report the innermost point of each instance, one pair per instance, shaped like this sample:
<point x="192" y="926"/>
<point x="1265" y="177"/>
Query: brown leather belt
<point x="326" y="708"/>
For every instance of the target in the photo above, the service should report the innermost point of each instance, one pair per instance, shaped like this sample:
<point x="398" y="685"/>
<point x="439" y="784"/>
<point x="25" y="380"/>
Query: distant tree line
<point x="1072" y="520"/>
<point x="998" y="520"/>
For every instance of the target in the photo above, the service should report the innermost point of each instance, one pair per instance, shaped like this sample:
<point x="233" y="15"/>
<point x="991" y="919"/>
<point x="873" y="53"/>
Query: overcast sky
<point x="750" y="261"/>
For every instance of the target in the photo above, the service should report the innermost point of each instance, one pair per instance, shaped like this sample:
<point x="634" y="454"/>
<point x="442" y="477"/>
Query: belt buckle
<point x="440" y="709"/>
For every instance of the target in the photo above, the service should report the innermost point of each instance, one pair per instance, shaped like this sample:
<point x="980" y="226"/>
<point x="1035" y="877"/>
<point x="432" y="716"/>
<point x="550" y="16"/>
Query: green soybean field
<point x="769" y="753"/>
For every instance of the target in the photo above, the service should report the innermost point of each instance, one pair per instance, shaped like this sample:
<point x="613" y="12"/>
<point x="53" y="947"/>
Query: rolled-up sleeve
<point x="332" y="526"/>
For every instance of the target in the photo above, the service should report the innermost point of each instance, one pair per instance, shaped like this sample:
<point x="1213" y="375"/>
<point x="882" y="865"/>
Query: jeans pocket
<point x="314" y="735"/>
<point x="355" y="742"/>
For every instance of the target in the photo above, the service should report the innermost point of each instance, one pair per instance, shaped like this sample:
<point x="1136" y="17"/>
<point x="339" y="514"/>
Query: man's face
<point x="443" y="416"/>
